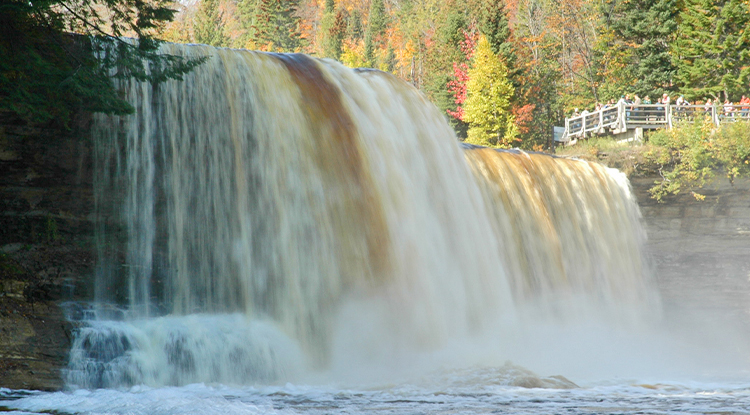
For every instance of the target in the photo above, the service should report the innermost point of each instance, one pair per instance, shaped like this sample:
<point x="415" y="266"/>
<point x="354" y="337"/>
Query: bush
<point x="690" y="154"/>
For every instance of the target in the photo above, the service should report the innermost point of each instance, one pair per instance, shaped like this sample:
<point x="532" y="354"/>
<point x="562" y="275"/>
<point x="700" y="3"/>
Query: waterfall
<point x="249" y="209"/>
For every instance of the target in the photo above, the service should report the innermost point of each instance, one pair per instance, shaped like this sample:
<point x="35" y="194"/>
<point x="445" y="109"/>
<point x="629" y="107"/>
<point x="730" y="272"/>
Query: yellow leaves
<point x="353" y="54"/>
<point x="487" y="105"/>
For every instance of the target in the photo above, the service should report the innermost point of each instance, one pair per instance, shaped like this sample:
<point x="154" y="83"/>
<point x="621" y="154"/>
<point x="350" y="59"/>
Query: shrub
<point x="691" y="154"/>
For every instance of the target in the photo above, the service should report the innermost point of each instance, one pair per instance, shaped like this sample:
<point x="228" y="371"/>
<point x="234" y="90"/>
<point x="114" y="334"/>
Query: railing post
<point x="583" y="126"/>
<point x="601" y="121"/>
<point x="668" y="115"/>
<point x="715" y="115"/>
<point x="621" y="114"/>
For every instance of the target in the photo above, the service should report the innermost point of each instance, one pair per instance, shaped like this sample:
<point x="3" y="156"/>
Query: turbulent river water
<point x="281" y="234"/>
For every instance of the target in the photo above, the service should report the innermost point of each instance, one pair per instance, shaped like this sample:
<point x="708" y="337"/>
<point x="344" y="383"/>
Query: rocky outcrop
<point x="700" y="250"/>
<point x="46" y="234"/>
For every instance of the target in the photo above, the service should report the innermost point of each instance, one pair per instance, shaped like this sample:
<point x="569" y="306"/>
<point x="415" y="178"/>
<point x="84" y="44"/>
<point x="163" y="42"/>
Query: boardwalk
<point x="623" y="118"/>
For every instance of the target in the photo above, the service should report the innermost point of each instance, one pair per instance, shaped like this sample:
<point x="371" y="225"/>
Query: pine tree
<point x="207" y="26"/>
<point x="58" y="57"/>
<point x="354" y="25"/>
<point x="276" y="26"/>
<point x="333" y="28"/>
<point x="376" y="27"/>
<point x="247" y="12"/>
<point x="493" y="23"/>
<point x="712" y="49"/>
<point x="440" y="61"/>
<point x="487" y="107"/>
<point x="637" y="35"/>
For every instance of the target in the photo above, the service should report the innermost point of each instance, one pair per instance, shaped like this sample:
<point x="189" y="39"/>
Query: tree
<point x="376" y="26"/>
<point x="539" y="69"/>
<point x="712" y="48"/>
<point x="354" y="26"/>
<point x="487" y="105"/>
<point x="447" y="66"/>
<point x="276" y="26"/>
<point x="493" y="23"/>
<point x="247" y="11"/>
<point x="207" y="27"/>
<point x="48" y="73"/>
<point x="333" y="28"/>
<point x="640" y="32"/>
<point x="458" y="86"/>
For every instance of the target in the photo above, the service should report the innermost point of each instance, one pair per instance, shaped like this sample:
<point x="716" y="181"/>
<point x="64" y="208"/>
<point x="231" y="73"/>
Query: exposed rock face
<point x="46" y="229"/>
<point x="701" y="249"/>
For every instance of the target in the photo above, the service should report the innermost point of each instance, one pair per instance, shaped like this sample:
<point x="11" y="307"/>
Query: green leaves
<point x="712" y="49"/>
<point x="49" y="74"/>
<point x="635" y="44"/>
<point x="692" y="153"/>
<point x="207" y="26"/>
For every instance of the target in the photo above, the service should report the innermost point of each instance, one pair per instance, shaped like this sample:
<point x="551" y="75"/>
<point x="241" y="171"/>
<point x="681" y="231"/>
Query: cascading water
<point x="269" y="206"/>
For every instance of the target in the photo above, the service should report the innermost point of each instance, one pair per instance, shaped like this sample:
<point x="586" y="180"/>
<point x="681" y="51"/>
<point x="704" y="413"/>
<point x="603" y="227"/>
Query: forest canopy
<point x="555" y="55"/>
<point x="552" y="55"/>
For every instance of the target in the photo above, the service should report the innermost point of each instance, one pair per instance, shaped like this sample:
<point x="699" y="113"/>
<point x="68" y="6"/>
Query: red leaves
<point x="457" y="86"/>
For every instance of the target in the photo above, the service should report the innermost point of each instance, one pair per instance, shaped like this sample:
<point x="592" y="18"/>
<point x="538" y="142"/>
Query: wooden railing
<point x="623" y="117"/>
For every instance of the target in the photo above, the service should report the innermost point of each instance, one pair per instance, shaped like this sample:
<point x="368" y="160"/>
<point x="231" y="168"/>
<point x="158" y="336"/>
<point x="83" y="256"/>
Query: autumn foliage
<point x="457" y="86"/>
<point x="558" y="54"/>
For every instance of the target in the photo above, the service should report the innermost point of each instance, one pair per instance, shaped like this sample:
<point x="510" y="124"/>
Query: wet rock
<point x="46" y="234"/>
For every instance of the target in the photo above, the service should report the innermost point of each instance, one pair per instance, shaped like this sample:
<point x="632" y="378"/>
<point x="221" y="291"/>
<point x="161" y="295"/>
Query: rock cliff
<point x="46" y="234"/>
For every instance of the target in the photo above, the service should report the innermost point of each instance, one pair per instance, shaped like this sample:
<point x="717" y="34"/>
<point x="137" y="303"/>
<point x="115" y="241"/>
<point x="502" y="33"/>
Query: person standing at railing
<point x="680" y="102"/>
<point x="660" y="109"/>
<point x="728" y="109"/>
<point x="745" y="107"/>
<point x="636" y="110"/>
<point x="622" y="103"/>
<point x="708" y="106"/>
<point x="647" y="111"/>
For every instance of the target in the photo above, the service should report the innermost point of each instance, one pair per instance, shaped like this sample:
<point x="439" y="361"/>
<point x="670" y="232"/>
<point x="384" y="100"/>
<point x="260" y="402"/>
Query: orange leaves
<point x="524" y="115"/>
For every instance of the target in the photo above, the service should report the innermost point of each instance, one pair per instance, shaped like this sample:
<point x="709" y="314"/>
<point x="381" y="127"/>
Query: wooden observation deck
<point x="625" y="119"/>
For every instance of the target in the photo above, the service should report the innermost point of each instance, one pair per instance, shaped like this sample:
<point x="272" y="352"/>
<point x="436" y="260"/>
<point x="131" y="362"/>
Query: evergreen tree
<point x="376" y="26"/>
<point x="637" y="35"/>
<point x="333" y="28"/>
<point x="247" y="12"/>
<point x="207" y="26"/>
<point x="47" y="73"/>
<point x="440" y="59"/>
<point x="493" y="23"/>
<point x="378" y="19"/>
<point x="712" y="49"/>
<point x="487" y="107"/>
<point x="354" y="26"/>
<point x="276" y="26"/>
